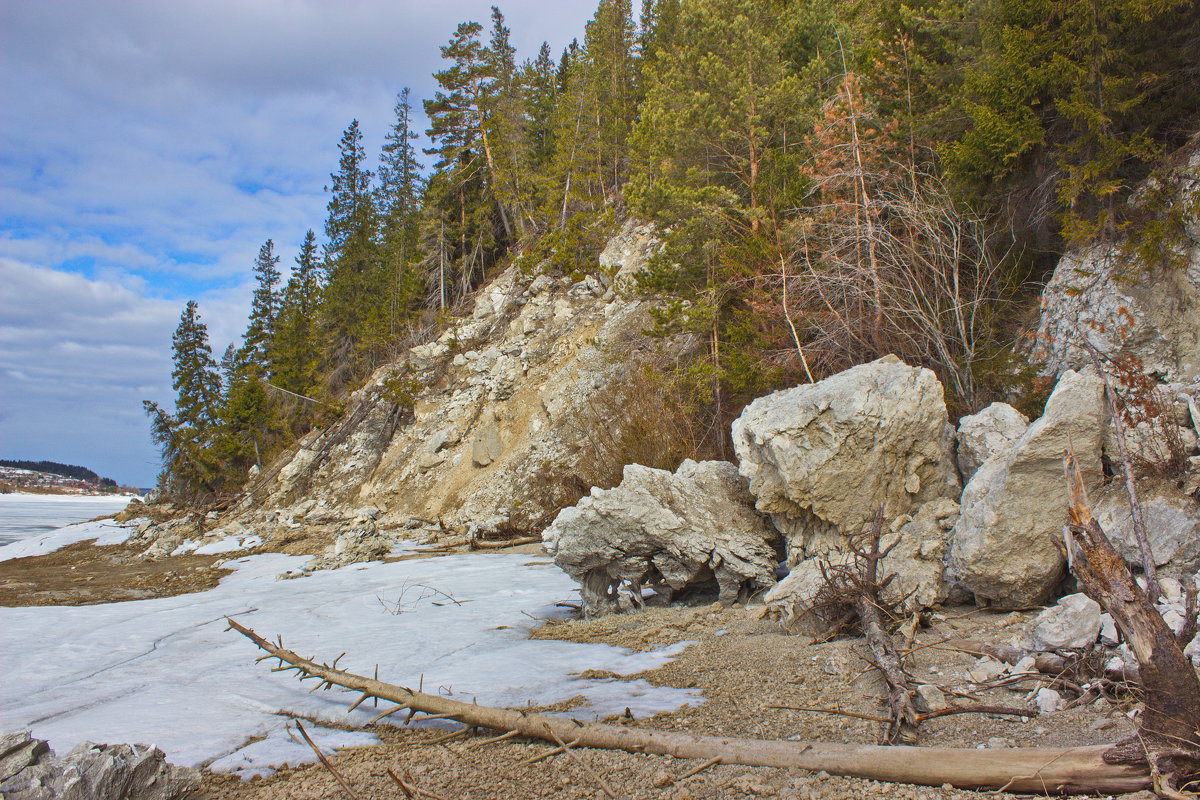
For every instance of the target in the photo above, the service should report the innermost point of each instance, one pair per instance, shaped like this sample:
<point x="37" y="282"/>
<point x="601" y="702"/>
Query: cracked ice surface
<point x="165" y="671"/>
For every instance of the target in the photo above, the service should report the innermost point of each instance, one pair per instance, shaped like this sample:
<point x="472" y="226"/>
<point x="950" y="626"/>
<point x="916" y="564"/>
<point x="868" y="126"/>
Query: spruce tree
<point x="356" y="291"/>
<point x="186" y="437"/>
<point x="294" y="348"/>
<point x="399" y="201"/>
<point x="264" y="307"/>
<point x="194" y="375"/>
<point x="540" y="81"/>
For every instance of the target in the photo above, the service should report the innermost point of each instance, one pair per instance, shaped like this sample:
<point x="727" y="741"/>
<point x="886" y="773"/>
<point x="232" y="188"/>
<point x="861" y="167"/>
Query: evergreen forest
<point x="834" y="180"/>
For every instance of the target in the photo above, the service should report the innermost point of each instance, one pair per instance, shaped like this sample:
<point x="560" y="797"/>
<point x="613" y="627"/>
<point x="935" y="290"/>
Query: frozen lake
<point x="166" y="671"/>
<point x="26" y="515"/>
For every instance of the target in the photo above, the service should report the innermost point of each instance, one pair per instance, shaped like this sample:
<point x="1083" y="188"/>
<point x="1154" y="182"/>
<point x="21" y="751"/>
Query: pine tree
<point x="264" y="307"/>
<point x="504" y="122"/>
<point x="463" y="223"/>
<point x="294" y="347"/>
<point x="356" y="291"/>
<point x="186" y="437"/>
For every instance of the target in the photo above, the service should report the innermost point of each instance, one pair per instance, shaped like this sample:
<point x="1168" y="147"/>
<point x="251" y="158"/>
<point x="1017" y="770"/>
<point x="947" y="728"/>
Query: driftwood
<point x="500" y="544"/>
<point x="1167" y="744"/>
<point x="1036" y="770"/>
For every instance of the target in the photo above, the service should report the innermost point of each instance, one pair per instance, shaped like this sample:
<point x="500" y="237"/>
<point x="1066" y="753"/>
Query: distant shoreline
<point x="35" y="492"/>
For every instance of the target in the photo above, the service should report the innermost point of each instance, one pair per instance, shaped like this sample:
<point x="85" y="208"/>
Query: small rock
<point x="931" y="696"/>
<point x="1025" y="666"/>
<point x="1047" y="700"/>
<point x="1108" y="631"/>
<point x="984" y="670"/>
<point x="1071" y="624"/>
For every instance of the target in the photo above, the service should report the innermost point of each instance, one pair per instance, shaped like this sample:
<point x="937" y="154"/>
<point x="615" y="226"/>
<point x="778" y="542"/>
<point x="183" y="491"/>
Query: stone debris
<point x="984" y="670"/>
<point x="361" y="541"/>
<point x="1047" y="699"/>
<point x="679" y="529"/>
<point x="29" y="770"/>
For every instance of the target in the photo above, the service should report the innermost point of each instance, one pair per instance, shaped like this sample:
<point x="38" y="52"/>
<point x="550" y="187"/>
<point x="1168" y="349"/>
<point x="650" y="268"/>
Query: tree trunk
<point x="1168" y="740"/>
<point x="1037" y="770"/>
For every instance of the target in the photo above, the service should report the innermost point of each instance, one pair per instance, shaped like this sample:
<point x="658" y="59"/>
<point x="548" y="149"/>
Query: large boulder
<point x="822" y="458"/>
<point x="1005" y="545"/>
<point x="677" y="529"/>
<point x="983" y="435"/>
<point x="915" y="564"/>
<point x="29" y="770"/>
<point x="1172" y="521"/>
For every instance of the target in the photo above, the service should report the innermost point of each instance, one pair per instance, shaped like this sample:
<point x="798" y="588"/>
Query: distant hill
<point x="71" y="471"/>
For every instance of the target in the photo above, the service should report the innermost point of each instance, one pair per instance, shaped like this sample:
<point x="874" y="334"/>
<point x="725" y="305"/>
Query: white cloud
<point x="78" y="356"/>
<point x="149" y="148"/>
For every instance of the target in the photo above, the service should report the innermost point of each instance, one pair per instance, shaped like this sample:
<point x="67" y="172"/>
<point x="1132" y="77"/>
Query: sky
<point x="148" y="148"/>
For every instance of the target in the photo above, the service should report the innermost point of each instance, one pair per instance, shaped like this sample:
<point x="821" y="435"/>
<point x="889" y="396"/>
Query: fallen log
<point x="1033" y="770"/>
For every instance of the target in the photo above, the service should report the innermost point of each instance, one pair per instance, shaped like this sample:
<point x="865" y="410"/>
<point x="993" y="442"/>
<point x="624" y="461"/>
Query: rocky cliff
<point x="481" y="431"/>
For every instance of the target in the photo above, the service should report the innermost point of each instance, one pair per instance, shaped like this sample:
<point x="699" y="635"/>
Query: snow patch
<point x="166" y="670"/>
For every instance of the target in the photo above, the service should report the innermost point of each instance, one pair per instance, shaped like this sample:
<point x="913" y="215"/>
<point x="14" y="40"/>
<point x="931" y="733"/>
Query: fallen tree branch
<point x="485" y="544"/>
<point x="1167" y="744"/>
<point x="1036" y="770"/>
<point x="902" y="727"/>
<point x="325" y="761"/>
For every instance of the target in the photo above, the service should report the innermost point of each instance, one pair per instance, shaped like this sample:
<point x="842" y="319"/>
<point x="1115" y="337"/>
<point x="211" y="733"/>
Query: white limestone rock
<point x="677" y="529"/>
<point x="1172" y="521"/>
<point x="821" y="458"/>
<point x="627" y="254"/>
<point x="1004" y="546"/>
<point x="29" y="770"/>
<point x="1073" y="623"/>
<point x="1047" y="700"/>
<point x="983" y="435"/>
<point x="790" y="600"/>
<point x="916" y="561"/>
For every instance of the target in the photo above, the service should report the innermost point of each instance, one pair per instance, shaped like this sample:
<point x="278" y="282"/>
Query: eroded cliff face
<point x="484" y="430"/>
<point x="1148" y="310"/>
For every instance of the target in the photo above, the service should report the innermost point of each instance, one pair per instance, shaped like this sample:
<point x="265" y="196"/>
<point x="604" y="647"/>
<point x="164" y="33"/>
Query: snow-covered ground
<point x="29" y="515"/>
<point x="166" y="671"/>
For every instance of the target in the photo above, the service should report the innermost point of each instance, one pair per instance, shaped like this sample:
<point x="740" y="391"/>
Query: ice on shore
<point x="26" y="518"/>
<point x="104" y="532"/>
<point x="166" y="671"/>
